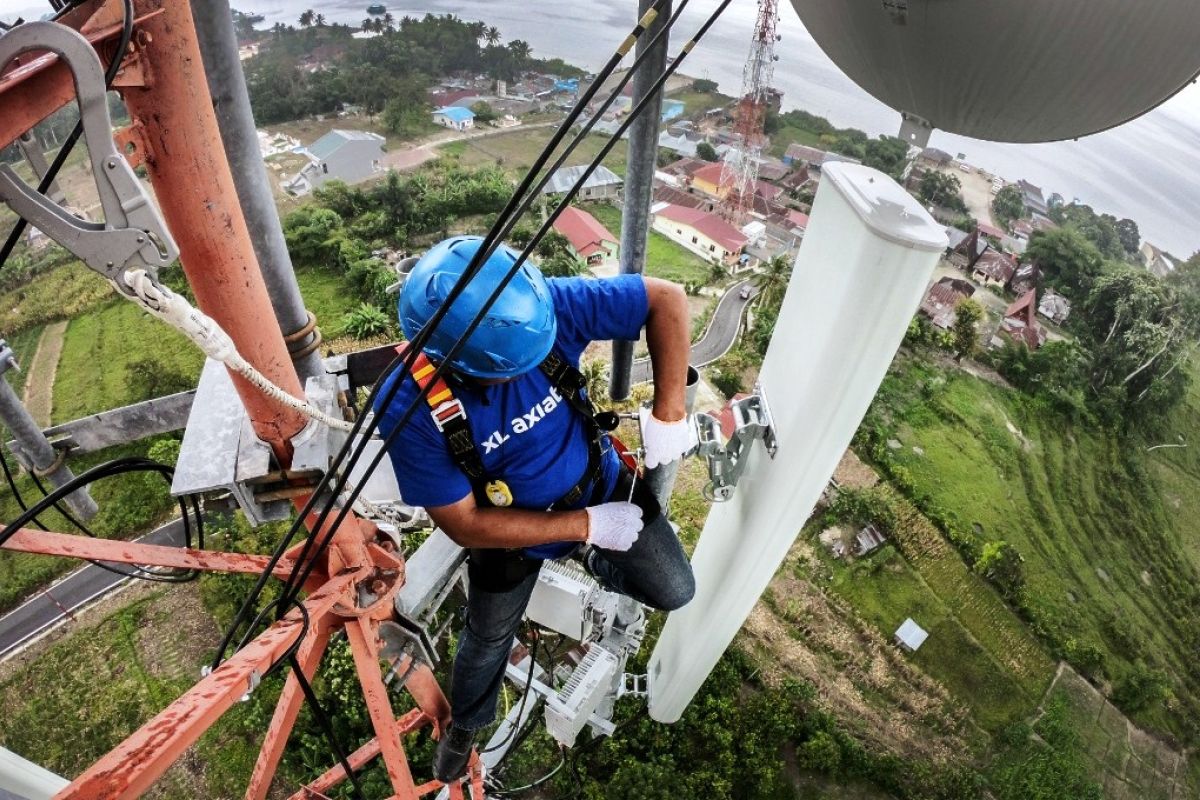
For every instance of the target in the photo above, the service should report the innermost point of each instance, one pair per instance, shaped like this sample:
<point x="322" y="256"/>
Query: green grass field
<point x="664" y="258"/>
<point x="516" y="150"/>
<point x="24" y="344"/>
<point x="1103" y="530"/>
<point x="974" y="641"/>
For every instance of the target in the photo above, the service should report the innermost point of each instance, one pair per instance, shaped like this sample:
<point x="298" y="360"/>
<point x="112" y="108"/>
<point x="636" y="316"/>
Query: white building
<point x="349" y="156"/>
<point x="454" y="117"/>
<point x="911" y="636"/>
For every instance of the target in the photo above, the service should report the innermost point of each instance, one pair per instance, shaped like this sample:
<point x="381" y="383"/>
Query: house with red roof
<point x="704" y="233"/>
<point x="941" y="301"/>
<point x="1020" y="322"/>
<point x="994" y="268"/>
<point x="590" y="241"/>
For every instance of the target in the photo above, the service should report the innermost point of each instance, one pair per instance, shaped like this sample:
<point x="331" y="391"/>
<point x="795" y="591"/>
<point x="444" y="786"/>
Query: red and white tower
<point x="741" y="162"/>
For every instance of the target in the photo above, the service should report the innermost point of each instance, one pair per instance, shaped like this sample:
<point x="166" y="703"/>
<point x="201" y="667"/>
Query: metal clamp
<point x="633" y="685"/>
<point x="133" y="234"/>
<point x="727" y="460"/>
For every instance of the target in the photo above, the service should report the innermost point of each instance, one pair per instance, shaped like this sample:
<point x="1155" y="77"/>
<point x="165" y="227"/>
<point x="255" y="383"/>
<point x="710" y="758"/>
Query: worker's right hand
<point x="614" y="526"/>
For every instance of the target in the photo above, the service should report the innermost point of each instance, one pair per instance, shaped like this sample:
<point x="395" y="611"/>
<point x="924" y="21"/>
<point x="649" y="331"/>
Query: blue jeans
<point x="655" y="572"/>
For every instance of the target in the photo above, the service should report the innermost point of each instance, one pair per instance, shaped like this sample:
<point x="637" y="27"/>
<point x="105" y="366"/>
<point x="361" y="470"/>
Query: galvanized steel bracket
<point x="727" y="460"/>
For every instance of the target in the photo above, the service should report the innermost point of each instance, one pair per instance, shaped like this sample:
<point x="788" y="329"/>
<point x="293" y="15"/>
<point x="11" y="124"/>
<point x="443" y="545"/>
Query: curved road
<point x="718" y="339"/>
<point x="48" y="608"/>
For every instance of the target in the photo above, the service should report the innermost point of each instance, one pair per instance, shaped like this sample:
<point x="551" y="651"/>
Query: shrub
<point x="366" y="321"/>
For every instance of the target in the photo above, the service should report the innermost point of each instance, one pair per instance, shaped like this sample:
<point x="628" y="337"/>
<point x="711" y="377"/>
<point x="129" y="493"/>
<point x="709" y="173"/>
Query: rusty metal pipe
<point x="199" y="201"/>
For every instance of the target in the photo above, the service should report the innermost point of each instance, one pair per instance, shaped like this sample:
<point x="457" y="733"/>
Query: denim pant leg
<point x="655" y="571"/>
<point x="483" y="649"/>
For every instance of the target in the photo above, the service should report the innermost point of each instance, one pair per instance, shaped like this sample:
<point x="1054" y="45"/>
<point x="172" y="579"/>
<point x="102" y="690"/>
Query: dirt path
<point x="39" y="385"/>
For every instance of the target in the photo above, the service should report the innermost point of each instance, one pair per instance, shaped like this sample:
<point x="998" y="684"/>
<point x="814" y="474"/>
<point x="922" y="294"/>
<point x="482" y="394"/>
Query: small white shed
<point x="911" y="636"/>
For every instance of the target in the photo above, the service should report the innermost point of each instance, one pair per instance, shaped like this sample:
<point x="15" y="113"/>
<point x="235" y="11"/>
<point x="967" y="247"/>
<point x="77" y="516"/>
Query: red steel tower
<point x="741" y="162"/>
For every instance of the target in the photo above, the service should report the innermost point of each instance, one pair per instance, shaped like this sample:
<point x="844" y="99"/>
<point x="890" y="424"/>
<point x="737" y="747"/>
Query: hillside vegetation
<point x="1099" y="529"/>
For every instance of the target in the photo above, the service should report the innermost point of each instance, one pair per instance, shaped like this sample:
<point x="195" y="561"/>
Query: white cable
<point x="204" y="331"/>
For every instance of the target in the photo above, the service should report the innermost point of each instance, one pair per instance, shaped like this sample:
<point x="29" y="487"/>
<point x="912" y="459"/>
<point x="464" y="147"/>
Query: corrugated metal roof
<point x="564" y="179"/>
<point x="456" y="113"/>
<point x="331" y="142"/>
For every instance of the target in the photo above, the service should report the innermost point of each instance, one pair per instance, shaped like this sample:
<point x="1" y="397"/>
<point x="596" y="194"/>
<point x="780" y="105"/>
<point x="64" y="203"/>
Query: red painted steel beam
<point x="286" y="711"/>
<point x="46" y="543"/>
<point x="192" y="180"/>
<point x="130" y="769"/>
<point x="38" y="85"/>
<point x="410" y="722"/>
<point x="363" y="645"/>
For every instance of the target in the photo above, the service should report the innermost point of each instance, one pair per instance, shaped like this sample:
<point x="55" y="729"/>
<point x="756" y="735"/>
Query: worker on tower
<point x="509" y="459"/>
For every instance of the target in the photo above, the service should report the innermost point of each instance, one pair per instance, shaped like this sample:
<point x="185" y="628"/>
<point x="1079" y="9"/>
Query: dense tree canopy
<point x="1008" y="204"/>
<point x="941" y="189"/>
<point x="1069" y="262"/>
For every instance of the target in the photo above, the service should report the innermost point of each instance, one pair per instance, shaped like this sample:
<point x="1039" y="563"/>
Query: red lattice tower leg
<point x="174" y="134"/>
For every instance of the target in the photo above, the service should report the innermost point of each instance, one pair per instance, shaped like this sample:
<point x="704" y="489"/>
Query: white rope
<point x="204" y="331"/>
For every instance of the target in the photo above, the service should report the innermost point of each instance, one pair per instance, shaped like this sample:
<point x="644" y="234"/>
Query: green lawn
<point x="888" y="590"/>
<point x="24" y="344"/>
<point x="699" y="102"/>
<point x="664" y="258"/>
<point x="516" y="150"/>
<point x="1107" y="534"/>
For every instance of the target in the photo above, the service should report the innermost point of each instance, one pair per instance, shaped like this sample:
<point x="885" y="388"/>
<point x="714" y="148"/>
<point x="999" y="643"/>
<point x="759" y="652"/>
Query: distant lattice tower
<point x="741" y="162"/>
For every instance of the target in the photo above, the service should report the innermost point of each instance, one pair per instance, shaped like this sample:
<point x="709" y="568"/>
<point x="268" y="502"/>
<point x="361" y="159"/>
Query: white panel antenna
<point x="863" y="266"/>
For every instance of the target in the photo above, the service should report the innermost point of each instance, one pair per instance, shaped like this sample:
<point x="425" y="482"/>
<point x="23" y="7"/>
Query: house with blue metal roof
<point x="455" y="117"/>
<point x="343" y="155"/>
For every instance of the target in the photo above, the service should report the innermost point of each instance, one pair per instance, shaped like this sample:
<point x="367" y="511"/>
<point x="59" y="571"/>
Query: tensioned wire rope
<point x="503" y="282"/>
<point x="493" y="236"/>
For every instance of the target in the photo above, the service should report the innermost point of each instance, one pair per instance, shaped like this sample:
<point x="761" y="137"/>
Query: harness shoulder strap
<point x="448" y="413"/>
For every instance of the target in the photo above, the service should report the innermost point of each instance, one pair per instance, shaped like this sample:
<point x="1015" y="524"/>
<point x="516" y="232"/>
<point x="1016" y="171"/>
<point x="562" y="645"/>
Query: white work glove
<point x="614" y="526"/>
<point x="665" y="442"/>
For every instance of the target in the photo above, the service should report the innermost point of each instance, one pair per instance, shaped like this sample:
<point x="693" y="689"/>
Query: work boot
<point x="453" y="753"/>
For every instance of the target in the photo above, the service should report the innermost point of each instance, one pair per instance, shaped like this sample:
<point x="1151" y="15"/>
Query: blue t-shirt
<point x="526" y="435"/>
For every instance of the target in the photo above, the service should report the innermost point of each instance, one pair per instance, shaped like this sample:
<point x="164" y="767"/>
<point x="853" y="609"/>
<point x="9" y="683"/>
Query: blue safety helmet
<point x="515" y="334"/>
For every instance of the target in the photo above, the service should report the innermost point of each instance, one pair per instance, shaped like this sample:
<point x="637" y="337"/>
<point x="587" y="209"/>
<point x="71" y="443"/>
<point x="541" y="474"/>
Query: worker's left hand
<point x="665" y="442"/>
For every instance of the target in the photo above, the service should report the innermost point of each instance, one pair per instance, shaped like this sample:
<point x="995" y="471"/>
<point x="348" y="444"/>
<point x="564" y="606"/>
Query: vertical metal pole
<point x="639" y="179"/>
<point x="231" y="102"/>
<point x="31" y="148"/>
<point x="36" y="451"/>
<point x="187" y="164"/>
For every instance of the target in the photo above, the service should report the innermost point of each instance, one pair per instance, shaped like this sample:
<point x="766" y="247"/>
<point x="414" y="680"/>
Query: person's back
<point x="507" y="457"/>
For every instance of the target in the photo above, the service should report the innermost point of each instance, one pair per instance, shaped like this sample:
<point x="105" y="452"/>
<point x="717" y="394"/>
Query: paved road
<point x="718" y="339"/>
<point x="45" y="610"/>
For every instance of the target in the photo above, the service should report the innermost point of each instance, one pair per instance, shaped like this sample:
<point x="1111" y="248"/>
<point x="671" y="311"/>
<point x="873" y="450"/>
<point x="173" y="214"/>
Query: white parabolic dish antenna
<point x="1012" y="70"/>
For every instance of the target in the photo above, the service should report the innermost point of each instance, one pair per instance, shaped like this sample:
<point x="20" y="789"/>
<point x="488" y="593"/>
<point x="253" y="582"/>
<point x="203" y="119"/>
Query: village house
<point x="932" y="157"/>
<point x="911" y="636"/>
<point x="1157" y="262"/>
<point x="869" y="539"/>
<point x="602" y="184"/>
<point x="1054" y="307"/>
<point x="1020" y="323"/>
<point x="942" y="299"/>
<point x="703" y="233"/>
<point x="343" y="155"/>
<point x="798" y="154"/>
<point x="968" y="250"/>
<point x="590" y="241"/>
<point x="1028" y="276"/>
<point x="994" y="268"/>
<point x="1035" y="203"/>
<point x="454" y="117"/>
<point x="665" y="193"/>
<point x="991" y="231"/>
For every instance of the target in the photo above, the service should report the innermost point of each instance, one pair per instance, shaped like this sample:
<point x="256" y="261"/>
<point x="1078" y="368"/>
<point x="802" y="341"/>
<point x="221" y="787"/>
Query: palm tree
<point x="520" y="49"/>
<point x="491" y="34"/>
<point x="367" y="25"/>
<point x="306" y="19"/>
<point x="388" y="20"/>
<point x="772" y="281"/>
<point x="319" y="20"/>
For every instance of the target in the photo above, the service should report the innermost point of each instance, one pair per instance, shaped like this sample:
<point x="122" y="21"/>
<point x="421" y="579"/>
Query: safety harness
<point x="450" y="417"/>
